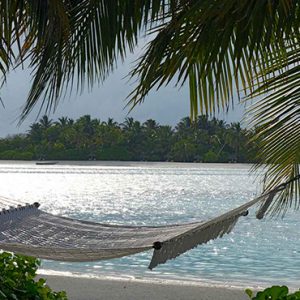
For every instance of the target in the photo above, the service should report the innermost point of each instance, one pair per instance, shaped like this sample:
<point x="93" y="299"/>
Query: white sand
<point x="80" y="288"/>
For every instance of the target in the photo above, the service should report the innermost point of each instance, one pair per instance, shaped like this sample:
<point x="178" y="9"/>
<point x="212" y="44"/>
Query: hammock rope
<point x="27" y="230"/>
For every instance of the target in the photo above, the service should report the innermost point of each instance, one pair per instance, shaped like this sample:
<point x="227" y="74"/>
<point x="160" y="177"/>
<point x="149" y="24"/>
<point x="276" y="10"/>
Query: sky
<point x="167" y="106"/>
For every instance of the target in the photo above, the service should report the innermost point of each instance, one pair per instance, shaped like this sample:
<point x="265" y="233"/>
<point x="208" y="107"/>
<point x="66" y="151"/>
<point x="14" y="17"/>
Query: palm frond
<point x="68" y="42"/>
<point x="277" y="118"/>
<point x="216" y="45"/>
<point x="248" y="46"/>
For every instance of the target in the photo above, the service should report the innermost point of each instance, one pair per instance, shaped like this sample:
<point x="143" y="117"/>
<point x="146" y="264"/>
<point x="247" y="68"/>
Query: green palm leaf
<point x="277" y="117"/>
<point x="221" y="46"/>
<point x="218" y="46"/>
<point x="68" y="41"/>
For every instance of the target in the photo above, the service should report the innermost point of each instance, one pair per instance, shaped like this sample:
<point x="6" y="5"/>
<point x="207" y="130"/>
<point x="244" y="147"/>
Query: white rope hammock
<point x="25" y="229"/>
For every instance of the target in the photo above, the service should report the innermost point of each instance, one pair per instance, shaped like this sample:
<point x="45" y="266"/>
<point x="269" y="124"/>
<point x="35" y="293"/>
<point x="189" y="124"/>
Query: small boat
<point x="46" y="163"/>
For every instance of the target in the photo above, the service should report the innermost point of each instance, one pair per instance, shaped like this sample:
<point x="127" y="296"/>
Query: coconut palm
<point x="220" y="47"/>
<point x="62" y="122"/>
<point x="36" y="132"/>
<point x="111" y="123"/>
<point x="150" y="124"/>
<point x="45" y="122"/>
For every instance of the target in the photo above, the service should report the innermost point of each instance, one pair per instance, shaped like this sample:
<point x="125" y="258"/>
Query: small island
<point x="205" y="140"/>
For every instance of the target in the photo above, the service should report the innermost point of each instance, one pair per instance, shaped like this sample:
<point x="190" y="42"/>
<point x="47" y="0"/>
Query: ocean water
<point x="256" y="253"/>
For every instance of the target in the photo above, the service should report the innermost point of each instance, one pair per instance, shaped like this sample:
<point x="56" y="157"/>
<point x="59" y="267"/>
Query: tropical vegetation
<point x="18" y="279"/>
<point x="221" y="48"/>
<point x="274" y="293"/>
<point x="207" y="140"/>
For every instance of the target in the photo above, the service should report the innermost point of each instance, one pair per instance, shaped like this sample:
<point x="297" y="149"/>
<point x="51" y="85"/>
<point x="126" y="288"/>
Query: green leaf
<point x="249" y="293"/>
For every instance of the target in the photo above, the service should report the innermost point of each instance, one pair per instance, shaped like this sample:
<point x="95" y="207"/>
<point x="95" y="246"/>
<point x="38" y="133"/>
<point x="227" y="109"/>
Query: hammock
<point x="27" y="230"/>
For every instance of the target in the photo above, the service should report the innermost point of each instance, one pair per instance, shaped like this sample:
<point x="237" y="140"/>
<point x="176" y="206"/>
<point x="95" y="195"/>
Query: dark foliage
<point x="274" y="293"/>
<point x="17" y="280"/>
<point x="206" y="140"/>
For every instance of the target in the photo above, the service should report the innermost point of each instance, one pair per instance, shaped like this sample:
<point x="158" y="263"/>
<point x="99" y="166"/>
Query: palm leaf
<point x="223" y="46"/>
<point x="218" y="46"/>
<point x="277" y="117"/>
<point x="68" y="41"/>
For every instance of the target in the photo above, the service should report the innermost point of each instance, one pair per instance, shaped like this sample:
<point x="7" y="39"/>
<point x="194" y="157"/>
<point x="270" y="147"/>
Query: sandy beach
<point x="80" y="288"/>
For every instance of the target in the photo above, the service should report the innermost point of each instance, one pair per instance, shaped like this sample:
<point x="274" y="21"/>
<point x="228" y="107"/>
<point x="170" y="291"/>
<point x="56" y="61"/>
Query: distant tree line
<point x="206" y="140"/>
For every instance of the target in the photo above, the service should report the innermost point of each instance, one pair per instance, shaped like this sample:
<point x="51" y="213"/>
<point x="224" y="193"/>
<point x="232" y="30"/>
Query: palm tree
<point x="110" y="123"/>
<point x="45" y="122"/>
<point x="36" y="132"/>
<point x="128" y="124"/>
<point x="219" y="47"/>
<point x="184" y="126"/>
<point x="202" y="122"/>
<point x="150" y="124"/>
<point x="62" y="122"/>
<point x="70" y="122"/>
<point x="235" y="141"/>
<point x="86" y="125"/>
<point x="134" y="136"/>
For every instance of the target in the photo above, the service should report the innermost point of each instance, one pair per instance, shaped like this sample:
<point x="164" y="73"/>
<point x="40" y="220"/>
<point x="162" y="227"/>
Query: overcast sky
<point x="167" y="106"/>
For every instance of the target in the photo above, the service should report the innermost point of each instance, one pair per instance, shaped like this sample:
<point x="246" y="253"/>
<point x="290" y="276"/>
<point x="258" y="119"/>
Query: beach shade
<point x="27" y="230"/>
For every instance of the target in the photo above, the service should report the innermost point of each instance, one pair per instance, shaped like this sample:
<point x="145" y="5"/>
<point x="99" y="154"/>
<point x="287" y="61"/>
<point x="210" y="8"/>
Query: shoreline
<point x="239" y="285"/>
<point x="117" y="288"/>
<point x="126" y="163"/>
